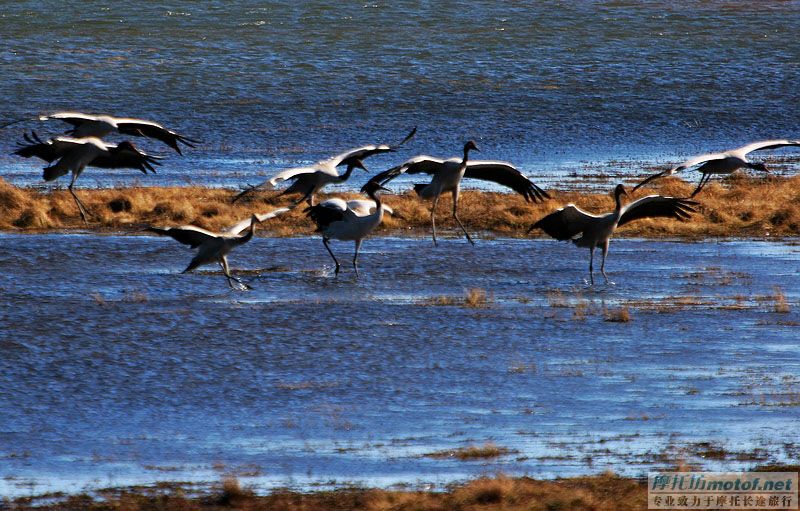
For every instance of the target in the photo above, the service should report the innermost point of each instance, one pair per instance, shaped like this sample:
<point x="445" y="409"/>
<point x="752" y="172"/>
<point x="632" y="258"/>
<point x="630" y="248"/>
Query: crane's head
<point x="126" y="145"/>
<point x="619" y="191"/>
<point x="372" y="187"/>
<point x="470" y="146"/>
<point x="358" y="164"/>
<point x="758" y="166"/>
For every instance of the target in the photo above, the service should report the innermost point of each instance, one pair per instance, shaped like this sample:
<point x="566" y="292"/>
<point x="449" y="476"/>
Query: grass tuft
<point x="473" y="452"/>
<point x="621" y="315"/>
<point x="781" y="305"/>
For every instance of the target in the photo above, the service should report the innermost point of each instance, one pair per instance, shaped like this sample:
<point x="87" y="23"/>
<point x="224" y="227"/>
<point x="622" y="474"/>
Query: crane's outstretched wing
<point x="565" y="223"/>
<point x="654" y="206"/>
<point x="243" y="225"/>
<point x="52" y="149"/>
<point x="327" y="212"/>
<point x="366" y="151"/>
<point x="421" y="164"/>
<point x="284" y="175"/>
<point x="287" y="174"/>
<point x="73" y="118"/>
<point x="149" y="129"/>
<point x="187" y="234"/>
<point x="765" y="144"/>
<point x="507" y="175"/>
<point x="126" y="156"/>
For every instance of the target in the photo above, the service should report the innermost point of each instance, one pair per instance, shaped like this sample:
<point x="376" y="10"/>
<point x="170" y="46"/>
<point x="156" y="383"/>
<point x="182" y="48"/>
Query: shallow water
<point x="555" y="87"/>
<point x="116" y="369"/>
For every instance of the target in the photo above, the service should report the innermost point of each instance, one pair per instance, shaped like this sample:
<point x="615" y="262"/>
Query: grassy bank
<point x="739" y="206"/>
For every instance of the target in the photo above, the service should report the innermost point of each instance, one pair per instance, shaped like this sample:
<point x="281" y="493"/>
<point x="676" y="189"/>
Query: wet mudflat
<point x="118" y="370"/>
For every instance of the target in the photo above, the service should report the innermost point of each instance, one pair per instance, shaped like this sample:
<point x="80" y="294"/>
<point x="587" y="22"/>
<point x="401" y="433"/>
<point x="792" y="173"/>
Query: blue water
<point x="117" y="369"/>
<point x="556" y="88"/>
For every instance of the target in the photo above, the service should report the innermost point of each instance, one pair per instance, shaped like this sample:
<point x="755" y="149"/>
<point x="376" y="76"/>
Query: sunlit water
<point x="562" y="89"/>
<point x="116" y="369"/>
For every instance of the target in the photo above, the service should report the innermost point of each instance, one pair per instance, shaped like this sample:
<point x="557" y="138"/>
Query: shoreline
<point x="737" y="207"/>
<point x="603" y="491"/>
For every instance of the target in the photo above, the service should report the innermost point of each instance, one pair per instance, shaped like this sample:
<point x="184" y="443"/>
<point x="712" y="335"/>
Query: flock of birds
<point x="82" y="146"/>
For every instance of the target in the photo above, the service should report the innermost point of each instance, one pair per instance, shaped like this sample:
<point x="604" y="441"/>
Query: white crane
<point x="590" y="231"/>
<point x="723" y="163"/>
<point x="447" y="175"/>
<point x="352" y="220"/>
<point x="310" y="180"/>
<point x="75" y="154"/>
<point x="89" y="125"/>
<point x="214" y="247"/>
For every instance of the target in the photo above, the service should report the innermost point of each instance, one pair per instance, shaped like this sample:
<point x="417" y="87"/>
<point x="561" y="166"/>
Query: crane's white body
<point x="360" y="218"/>
<point x="78" y="153"/>
<point x="350" y="220"/>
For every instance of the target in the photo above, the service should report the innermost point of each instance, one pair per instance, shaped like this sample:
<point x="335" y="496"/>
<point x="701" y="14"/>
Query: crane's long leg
<point x="591" y="270"/>
<point x="603" y="263"/>
<point x="703" y="181"/>
<point x="455" y="215"/>
<point x="325" y="242"/>
<point x="308" y="197"/>
<point x="355" y="257"/>
<point x="78" y="202"/>
<point x="433" y="218"/>
<point x="231" y="278"/>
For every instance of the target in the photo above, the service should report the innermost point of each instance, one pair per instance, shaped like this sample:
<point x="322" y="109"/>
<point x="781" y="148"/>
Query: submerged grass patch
<point x="473" y="452"/>
<point x="473" y="297"/>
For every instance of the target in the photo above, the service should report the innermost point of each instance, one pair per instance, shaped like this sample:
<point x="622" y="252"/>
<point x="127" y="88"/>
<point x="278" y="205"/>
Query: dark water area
<point x="116" y="369"/>
<point x="557" y="88"/>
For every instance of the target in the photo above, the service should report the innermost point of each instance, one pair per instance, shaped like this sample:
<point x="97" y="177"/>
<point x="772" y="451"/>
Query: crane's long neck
<point x="466" y="156"/>
<point x="618" y="200"/>
<point x="240" y="240"/>
<point x="344" y="177"/>
<point x="377" y="198"/>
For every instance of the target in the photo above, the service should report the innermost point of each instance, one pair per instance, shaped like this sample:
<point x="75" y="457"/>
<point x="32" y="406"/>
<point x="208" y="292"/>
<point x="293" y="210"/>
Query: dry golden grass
<point x="606" y="492"/>
<point x="474" y="297"/>
<point x="740" y="206"/>
<point x="621" y="315"/>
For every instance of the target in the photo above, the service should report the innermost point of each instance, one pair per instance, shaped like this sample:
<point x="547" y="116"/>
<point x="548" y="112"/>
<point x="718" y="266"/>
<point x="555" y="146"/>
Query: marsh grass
<point x="620" y="315"/>
<point x="472" y="452"/>
<point x="604" y="492"/>
<point x="473" y="298"/>
<point x="781" y="306"/>
<point x="476" y="297"/>
<point x="736" y="207"/>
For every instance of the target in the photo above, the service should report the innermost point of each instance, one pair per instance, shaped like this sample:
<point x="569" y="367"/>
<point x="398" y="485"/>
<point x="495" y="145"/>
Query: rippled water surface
<point x="555" y="87"/>
<point x="117" y="369"/>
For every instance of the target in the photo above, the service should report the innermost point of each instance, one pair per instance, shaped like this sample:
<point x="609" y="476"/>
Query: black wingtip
<point x="408" y="137"/>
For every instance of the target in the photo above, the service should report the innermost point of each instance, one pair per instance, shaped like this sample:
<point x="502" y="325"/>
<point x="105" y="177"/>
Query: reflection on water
<point x="116" y="369"/>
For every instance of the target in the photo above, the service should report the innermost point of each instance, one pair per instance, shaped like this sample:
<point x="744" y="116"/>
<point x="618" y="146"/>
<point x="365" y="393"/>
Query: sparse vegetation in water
<point x="473" y="297"/>
<point x="477" y="297"/>
<point x="781" y="305"/>
<point x="619" y="315"/>
<point x="473" y="452"/>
